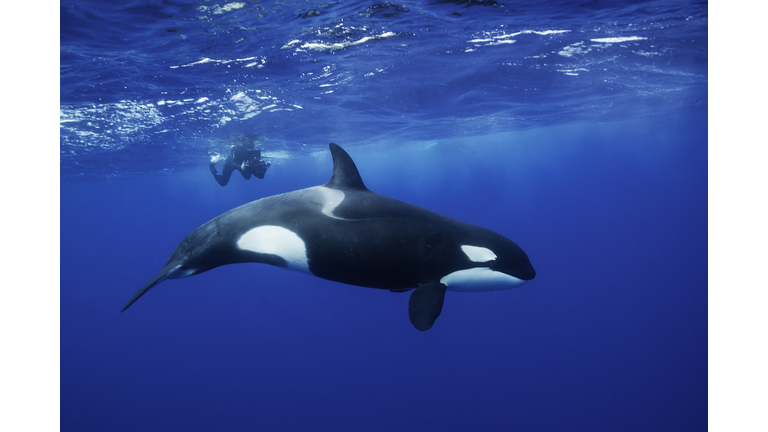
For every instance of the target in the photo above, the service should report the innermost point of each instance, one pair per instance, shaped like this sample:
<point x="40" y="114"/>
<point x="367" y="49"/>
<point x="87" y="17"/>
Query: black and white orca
<point x="343" y="232"/>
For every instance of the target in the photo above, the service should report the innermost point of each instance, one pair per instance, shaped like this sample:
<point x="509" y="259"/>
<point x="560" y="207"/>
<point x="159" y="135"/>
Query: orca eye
<point x="478" y="254"/>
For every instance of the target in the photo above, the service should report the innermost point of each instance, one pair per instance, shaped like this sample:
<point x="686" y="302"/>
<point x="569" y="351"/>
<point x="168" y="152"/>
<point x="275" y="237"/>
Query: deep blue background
<point x="610" y="335"/>
<point x="577" y="129"/>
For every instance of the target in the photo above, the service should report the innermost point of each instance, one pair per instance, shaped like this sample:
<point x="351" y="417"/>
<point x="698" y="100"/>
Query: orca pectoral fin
<point x="163" y="275"/>
<point x="425" y="305"/>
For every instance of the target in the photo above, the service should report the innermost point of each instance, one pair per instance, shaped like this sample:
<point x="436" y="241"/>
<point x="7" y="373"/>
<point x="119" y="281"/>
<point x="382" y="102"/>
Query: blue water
<point x="576" y="129"/>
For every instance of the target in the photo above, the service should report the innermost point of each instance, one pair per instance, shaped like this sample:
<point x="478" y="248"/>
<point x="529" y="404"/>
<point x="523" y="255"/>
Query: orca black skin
<point x="343" y="232"/>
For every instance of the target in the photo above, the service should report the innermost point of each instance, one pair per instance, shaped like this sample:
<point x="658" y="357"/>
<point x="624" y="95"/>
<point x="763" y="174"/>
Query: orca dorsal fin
<point x="345" y="174"/>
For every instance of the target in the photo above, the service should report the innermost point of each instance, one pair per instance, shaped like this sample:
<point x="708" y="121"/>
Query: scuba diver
<point x="243" y="157"/>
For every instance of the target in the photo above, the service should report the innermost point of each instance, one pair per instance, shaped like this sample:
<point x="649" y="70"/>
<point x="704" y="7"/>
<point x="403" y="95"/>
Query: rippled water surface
<point x="150" y="84"/>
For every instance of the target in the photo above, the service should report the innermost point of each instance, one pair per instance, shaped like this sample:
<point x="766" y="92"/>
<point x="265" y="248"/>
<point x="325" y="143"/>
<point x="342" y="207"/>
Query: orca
<point x="343" y="232"/>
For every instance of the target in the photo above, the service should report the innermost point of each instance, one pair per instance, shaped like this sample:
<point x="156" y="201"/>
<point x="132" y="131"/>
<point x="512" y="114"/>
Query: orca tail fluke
<point x="166" y="272"/>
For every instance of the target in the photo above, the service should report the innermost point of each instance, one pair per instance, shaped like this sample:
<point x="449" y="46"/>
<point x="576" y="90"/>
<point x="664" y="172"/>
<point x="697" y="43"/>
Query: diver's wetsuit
<point x="242" y="159"/>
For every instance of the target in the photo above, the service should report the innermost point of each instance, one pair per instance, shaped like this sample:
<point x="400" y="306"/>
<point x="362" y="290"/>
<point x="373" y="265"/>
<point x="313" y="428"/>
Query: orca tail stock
<point x="165" y="273"/>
